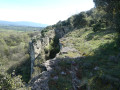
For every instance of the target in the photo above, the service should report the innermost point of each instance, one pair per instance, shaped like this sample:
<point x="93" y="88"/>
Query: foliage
<point x="44" y="31"/>
<point x="53" y="48"/>
<point x="100" y="62"/>
<point x="112" y="9"/>
<point x="14" y="56"/>
<point x="117" y="21"/>
<point x="80" y="20"/>
<point x="56" y="47"/>
<point x="92" y="34"/>
<point x="10" y="83"/>
<point x="98" y="26"/>
<point x="20" y="28"/>
<point x="94" y="17"/>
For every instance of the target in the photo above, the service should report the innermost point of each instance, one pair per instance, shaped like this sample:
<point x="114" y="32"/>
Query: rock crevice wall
<point x="40" y="82"/>
<point x="32" y="55"/>
<point x="37" y="46"/>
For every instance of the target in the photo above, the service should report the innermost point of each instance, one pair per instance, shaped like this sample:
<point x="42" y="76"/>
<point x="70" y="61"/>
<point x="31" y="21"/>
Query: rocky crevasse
<point x="40" y="82"/>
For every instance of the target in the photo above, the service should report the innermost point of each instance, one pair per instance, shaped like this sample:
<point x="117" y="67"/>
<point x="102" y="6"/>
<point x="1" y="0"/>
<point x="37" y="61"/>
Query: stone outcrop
<point x="37" y="46"/>
<point x="40" y="82"/>
<point x="60" y="32"/>
<point x="32" y="55"/>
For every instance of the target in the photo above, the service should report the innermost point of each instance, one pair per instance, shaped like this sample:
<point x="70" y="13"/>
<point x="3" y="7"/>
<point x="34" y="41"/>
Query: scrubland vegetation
<point x="14" y="59"/>
<point x="94" y="34"/>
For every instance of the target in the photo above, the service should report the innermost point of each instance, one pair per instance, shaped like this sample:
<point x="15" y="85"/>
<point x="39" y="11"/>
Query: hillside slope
<point x="88" y="58"/>
<point x="80" y="53"/>
<point x="22" y="23"/>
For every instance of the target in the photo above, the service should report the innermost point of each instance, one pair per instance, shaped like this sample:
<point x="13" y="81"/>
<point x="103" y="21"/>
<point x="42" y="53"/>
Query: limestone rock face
<point x="37" y="48"/>
<point x="41" y="82"/>
<point x="60" y="32"/>
<point x="32" y="55"/>
<point x="45" y="41"/>
<point x="67" y="49"/>
<point x="48" y="38"/>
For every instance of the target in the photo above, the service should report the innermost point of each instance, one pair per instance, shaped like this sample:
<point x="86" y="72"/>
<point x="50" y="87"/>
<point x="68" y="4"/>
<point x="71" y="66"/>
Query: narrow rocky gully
<point x="37" y="46"/>
<point x="47" y="59"/>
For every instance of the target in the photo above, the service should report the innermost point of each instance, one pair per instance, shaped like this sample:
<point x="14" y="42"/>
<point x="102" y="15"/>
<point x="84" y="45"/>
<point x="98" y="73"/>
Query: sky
<point x="42" y="11"/>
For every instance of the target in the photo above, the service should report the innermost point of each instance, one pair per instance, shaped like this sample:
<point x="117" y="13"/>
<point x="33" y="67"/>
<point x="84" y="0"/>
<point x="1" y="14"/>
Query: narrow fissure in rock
<point x="55" y="48"/>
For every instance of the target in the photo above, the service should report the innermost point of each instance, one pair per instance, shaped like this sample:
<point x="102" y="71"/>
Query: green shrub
<point x="34" y="40"/>
<point x="10" y="83"/>
<point x="44" y="31"/>
<point x="98" y="27"/>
